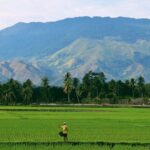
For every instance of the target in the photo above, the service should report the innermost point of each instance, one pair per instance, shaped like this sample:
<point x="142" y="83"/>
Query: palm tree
<point x="133" y="84"/>
<point x="45" y="82"/>
<point x="141" y="83"/>
<point x="76" y="83"/>
<point x="112" y="85"/>
<point x="27" y="94"/>
<point x="12" y="90"/>
<point x="99" y="82"/>
<point x="127" y="88"/>
<point x="9" y="97"/>
<point x="88" y="83"/>
<point x="68" y="85"/>
<point x="45" y="89"/>
<point x="16" y="88"/>
<point x="27" y="91"/>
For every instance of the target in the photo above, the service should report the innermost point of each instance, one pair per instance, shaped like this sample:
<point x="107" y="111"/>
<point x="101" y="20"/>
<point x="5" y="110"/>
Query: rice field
<point x="41" y="125"/>
<point x="70" y="147"/>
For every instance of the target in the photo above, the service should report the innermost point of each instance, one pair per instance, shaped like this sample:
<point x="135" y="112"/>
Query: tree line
<point x="93" y="88"/>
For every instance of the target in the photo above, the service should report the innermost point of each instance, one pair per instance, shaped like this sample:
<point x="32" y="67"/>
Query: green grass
<point x="127" y="125"/>
<point x="70" y="147"/>
<point x="108" y="124"/>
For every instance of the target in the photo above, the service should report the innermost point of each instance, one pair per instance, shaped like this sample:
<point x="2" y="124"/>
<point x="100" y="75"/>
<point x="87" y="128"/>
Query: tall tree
<point x="13" y="91"/>
<point x="119" y="88"/>
<point x="27" y="91"/>
<point x="76" y="84"/>
<point x="128" y="91"/>
<point x="113" y="90"/>
<point x="133" y="85"/>
<point x="45" y="89"/>
<point x="68" y="85"/>
<point x="88" y="84"/>
<point x="99" y="82"/>
<point x="9" y="97"/>
<point x="141" y="83"/>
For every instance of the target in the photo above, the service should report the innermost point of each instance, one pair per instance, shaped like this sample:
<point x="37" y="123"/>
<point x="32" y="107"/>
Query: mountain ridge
<point x="120" y="47"/>
<point x="35" y="39"/>
<point x="75" y="58"/>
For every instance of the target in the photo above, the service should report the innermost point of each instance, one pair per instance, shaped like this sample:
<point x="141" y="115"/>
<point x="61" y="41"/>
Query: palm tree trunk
<point x="68" y="97"/>
<point x="77" y="97"/>
<point x="133" y="93"/>
<point x="97" y="92"/>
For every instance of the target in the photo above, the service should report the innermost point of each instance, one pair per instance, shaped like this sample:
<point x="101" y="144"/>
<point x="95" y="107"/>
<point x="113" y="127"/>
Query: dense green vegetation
<point x="94" y="88"/>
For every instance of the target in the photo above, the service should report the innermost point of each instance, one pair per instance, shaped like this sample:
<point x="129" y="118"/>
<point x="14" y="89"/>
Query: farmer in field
<point x="64" y="131"/>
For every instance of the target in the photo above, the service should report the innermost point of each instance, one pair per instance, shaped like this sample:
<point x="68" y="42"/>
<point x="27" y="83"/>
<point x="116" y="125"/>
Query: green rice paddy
<point x="70" y="147"/>
<point x="86" y="125"/>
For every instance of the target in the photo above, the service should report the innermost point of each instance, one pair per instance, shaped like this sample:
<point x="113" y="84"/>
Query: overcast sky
<point x="13" y="11"/>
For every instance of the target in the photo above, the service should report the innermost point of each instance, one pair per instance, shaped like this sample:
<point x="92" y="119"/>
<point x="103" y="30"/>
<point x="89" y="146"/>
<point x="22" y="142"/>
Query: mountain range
<point x="120" y="47"/>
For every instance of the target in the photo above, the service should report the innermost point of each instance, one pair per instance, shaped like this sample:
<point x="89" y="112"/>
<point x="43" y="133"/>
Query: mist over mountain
<point x="120" y="47"/>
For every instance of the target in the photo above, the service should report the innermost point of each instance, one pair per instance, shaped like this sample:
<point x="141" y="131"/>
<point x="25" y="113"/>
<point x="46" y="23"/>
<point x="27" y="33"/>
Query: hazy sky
<point x="13" y="11"/>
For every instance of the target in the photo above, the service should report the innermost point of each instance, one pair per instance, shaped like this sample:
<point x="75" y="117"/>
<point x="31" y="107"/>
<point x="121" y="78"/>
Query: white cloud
<point x="13" y="11"/>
